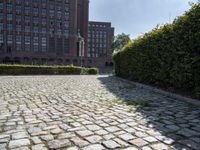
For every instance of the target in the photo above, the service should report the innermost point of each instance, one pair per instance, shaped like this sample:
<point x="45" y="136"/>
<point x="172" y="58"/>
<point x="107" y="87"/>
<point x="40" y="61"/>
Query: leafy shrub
<point x="92" y="71"/>
<point x="44" y="70"/>
<point x="167" y="56"/>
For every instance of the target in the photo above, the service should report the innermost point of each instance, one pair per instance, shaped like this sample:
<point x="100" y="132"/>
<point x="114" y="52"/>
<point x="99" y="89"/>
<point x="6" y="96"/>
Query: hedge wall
<point x="167" y="56"/>
<point x="44" y="70"/>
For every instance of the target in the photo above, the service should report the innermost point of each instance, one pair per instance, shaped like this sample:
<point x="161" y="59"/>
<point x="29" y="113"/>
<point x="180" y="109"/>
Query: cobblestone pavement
<point x="92" y="113"/>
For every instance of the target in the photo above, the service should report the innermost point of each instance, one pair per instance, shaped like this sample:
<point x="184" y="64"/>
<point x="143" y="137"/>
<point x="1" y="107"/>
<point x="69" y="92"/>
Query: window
<point x="9" y="27"/>
<point x="27" y="28"/>
<point x="1" y="5"/>
<point x="9" y="7"/>
<point x="9" y="39"/>
<point x="44" y="30"/>
<point x="18" y="39"/>
<point x="66" y="33"/>
<point x="59" y="14"/>
<point x="27" y="10"/>
<point x="52" y="22"/>
<point x="18" y="28"/>
<point x="27" y="20"/>
<point x="9" y="17"/>
<point x="27" y="39"/>
<point x="1" y="16"/>
<point x="18" y="18"/>
<point x="1" y="38"/>
<point x="18" y="47"/>
<point x="44" y="12"/>
<point x="35" y="21"/>
<point x="36" y="11"/>
<point x="18" y="9"/>
<point x="1" y="26"/>
<point x="51" y="13"/>
<point x="44" y="44"/>
<point x="18" y="43"/>
<point x="35" y="40"/>
<point x="43" y="21"/>
<point x="35" y="43"/>
<point x="35" y="29"/>
<point x="27" y="43"/>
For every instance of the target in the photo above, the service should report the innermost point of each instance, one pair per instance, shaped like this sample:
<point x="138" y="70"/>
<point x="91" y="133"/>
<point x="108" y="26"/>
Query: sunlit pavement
<point x="91" y="113"/>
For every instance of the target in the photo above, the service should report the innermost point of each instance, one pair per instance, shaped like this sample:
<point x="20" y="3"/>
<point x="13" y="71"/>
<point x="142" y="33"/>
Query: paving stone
<point x="131" y="148"/>
<point x="79" y="142"/>
<point x="160" y="146"/>
<point x="126" y="136"/>
<point x="73" y="148"/>
<point x="93" y="127"/>
<point x="34" y="130"/>
<point x="56" y="131"/>
<point x="111" y="144"/>
<point x="150" y="139"/>
<point x="66" y="135"/>
<point x="50" y="127"/>
<point x="138" y="142"/>
<point x="19" y="135"/>
<point x="94" y="147"/>
<point x="165" y="139"/>
<point x="173" y="127"/>
<point x="122" y="143"/>
<point x="19" y="143"/>
<point x="84" y="133"/>
<point x="47" y="137"/>
<point x="190" y="144"/>
<point x="3" y="136"/>
<point x="188" y="133"/>
<point x="3" y="146"/>
<point x="146" y="148"/>
<point x="101" y="132"/>
<point x="74" y="108"/>
<point x="108" y="136"/>
<point x="112" y="129"/>
<point x="22" y="148"/>
<point x="39" y="147"/>
<point x="94" y="139"/>
<point x="57" y="144"/>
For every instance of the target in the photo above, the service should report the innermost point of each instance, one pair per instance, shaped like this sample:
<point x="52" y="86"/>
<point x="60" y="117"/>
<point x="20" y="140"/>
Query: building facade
<point x="44" y="32"/>
<point x="100" y="38"/>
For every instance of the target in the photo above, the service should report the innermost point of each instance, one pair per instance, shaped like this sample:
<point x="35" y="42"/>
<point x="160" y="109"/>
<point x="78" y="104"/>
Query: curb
<point x="165" y="93"/>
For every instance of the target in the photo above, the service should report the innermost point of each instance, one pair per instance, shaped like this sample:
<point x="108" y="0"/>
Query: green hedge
<point x="44" y="70"/>
<point x="168" y="56"/>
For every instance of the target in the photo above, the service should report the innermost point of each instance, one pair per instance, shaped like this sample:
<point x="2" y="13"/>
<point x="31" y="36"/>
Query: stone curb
<point x="168" y="94"/>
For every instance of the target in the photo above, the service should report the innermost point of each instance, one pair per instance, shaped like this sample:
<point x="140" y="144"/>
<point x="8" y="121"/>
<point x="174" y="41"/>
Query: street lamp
<point x="81" y="47"/>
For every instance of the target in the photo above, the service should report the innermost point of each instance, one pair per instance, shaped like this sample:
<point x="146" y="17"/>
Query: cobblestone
<point x="91" y="112"/>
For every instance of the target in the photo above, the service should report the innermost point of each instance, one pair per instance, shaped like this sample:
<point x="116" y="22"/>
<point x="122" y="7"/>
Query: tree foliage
<point x="120" y="41"/>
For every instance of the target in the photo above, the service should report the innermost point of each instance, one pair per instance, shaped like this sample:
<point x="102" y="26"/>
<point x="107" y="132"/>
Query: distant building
<point x="100" y="37"/>
<point x="44" y="32"/>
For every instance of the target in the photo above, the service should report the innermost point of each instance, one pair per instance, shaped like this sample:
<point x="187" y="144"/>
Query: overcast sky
<point x="135" y="17"/>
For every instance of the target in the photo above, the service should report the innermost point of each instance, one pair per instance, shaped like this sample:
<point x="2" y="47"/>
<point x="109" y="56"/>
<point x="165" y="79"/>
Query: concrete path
<point x="92" y="113"/>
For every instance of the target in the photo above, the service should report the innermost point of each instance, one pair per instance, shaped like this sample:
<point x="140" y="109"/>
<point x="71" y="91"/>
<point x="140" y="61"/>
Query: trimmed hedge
<point x="168" y="56"/>
<point x="44" y="70"/>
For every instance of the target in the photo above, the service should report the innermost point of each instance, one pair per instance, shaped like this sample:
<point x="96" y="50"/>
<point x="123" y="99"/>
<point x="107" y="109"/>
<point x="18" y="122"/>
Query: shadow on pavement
<point x="174" y="122"/>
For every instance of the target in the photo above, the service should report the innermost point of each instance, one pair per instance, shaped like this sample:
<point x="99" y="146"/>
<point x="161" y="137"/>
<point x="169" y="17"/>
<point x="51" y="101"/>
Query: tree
<point x="120" y="41"/>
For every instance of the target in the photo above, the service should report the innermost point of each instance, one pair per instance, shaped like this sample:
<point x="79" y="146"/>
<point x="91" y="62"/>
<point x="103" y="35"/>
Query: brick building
<point x="44" y="32"/>
<point x="100" y="37"/>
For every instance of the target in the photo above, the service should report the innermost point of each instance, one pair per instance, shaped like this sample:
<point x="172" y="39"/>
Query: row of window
<point x="97" y="25"/>
<point x="10" y="5"/>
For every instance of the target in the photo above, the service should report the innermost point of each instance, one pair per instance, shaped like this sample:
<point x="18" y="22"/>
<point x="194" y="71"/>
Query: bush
<point x="92" y="71"/>
<point x="167" y="56"/>
<point x="44" y="70"/>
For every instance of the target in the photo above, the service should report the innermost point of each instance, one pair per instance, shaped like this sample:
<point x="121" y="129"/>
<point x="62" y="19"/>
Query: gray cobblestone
<point x="91" y="112"/>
